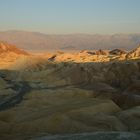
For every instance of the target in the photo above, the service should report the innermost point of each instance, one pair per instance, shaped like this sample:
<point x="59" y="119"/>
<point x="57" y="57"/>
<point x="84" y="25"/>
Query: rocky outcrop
<point x="5" y="48"/>
<point x="117" y="52"/>
<point x="101" y="52"/>
<point x="134" y="53"/>
<point x="9" y="54"/>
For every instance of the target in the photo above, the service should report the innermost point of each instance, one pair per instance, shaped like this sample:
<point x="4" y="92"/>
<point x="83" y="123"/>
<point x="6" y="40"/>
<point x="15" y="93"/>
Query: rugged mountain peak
<point x="6" y="47"/>
<point x="101" y="52"/>
<point x="134" y="53"/>
<point x="117" y="52"/>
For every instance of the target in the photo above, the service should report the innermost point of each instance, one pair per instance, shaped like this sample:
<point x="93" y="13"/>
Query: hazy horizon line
<point x="74" y="33"/>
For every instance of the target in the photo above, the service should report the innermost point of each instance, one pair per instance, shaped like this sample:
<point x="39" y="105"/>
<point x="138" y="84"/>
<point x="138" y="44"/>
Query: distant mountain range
<point x="42" y="42"/>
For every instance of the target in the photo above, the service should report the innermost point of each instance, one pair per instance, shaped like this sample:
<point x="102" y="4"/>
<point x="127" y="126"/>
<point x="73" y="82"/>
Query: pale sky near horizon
<point x="71" y="16"/>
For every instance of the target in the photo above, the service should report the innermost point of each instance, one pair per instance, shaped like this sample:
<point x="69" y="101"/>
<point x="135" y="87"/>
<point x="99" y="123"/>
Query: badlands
<point x="70" y="96"/>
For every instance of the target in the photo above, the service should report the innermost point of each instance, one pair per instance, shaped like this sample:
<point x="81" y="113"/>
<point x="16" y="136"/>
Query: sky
<point x="71" y="16"/>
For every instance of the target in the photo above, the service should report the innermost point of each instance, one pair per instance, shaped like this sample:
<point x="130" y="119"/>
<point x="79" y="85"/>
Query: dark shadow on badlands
<point x="60" y="98"/>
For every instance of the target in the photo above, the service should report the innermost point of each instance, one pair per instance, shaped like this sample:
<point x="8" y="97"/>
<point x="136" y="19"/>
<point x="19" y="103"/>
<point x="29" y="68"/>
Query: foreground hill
<point x="71" y="93"/>
<point x="37" y="41"/>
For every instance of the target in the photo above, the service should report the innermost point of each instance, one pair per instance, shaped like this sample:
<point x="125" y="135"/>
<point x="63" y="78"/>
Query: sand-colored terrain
<point x="69" y="93"/>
